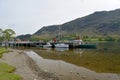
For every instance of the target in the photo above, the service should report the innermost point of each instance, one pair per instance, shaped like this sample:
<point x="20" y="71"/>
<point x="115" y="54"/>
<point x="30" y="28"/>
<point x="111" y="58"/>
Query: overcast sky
<point x="28" y="16"/>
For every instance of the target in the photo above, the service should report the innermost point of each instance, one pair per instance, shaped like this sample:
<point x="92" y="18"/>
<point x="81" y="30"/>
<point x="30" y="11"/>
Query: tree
<point x="1" y="34"/>
<point x="7" y="34"/>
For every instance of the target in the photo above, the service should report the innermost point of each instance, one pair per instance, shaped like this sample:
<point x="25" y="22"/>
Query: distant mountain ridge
<point x="96" y="24"/>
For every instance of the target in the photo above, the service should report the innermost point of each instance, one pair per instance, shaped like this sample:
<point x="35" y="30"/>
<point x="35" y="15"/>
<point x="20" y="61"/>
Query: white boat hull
<point x="48" y="45"/>
<point x="61" y="45"/>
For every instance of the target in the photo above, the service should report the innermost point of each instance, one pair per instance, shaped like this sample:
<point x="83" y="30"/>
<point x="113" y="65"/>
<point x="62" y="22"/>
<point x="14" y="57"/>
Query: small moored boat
<point x="81" y="44"/>
<point x="87" y="46"/>
<point x="48" y="45"/>
<point x="61" y="45"/>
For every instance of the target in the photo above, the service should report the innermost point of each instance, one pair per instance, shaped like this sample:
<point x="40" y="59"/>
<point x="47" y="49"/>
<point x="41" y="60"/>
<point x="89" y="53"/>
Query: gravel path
<point x="25" y="66"/>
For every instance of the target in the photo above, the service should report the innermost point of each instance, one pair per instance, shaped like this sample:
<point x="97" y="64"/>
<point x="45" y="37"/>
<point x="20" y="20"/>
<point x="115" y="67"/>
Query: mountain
<point x="96" y="24"/>
<point x="24" y="37"/>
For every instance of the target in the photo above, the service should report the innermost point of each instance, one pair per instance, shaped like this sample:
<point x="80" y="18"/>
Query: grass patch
<point x="4" y="67"/>
<point x="9" y="76"/>
<point x="6" y="70"/>
<point x="2" y="50"/>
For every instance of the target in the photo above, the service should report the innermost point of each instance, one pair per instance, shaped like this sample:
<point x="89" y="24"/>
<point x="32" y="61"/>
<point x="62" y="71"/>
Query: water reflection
<point x="62" y="49"/>
<point x="69" y="71"/>
<point x="78" y="51"/>
<point x="106" y="58"/>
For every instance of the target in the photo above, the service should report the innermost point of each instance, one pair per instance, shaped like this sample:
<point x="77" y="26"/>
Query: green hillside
<point x="97" y="24"/>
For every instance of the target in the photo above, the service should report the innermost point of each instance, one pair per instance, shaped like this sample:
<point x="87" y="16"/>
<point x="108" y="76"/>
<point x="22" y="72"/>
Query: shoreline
<point x="39" y="72"/>
<point x="25" y="66"/>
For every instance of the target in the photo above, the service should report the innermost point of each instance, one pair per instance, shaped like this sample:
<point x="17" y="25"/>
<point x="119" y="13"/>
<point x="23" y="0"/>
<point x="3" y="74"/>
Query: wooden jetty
<point x="39" y="44"/>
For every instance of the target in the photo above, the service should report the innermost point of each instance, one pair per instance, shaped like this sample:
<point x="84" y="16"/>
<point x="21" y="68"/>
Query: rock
<point x="83" y="77"/>
<point x="45" y="70"/>
<point x="70" y="71"/>
<point x="77" y="72"/>
<point x="96" y="79"/>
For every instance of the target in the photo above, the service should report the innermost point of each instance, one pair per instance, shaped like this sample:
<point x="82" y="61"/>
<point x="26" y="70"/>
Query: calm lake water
<point x="106" y="58"/>
<point x="102" y="63"/>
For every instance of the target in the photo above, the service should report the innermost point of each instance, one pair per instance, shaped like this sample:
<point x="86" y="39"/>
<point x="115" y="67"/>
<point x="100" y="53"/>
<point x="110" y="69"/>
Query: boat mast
<point x="59" y="33"/>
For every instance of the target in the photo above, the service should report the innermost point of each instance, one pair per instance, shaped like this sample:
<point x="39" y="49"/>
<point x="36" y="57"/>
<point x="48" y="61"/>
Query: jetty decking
<point x="39" y="44"/>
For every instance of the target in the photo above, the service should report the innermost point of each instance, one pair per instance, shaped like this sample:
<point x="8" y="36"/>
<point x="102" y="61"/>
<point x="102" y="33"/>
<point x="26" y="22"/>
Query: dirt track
<point x="25" y="66"/>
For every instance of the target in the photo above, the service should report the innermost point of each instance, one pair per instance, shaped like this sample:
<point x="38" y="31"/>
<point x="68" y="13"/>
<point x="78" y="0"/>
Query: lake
<point x="106" y="58"/>
<point x="74" y="64"/>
